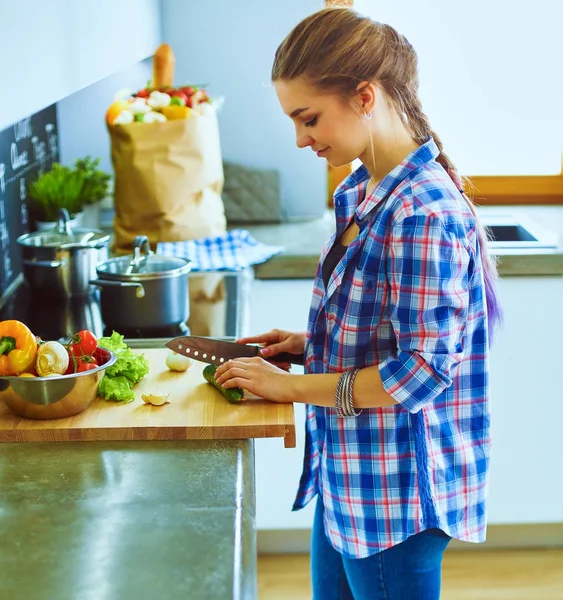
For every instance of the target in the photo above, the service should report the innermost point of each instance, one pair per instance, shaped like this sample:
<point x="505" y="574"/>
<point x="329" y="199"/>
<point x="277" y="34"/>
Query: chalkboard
<point x="27" y="148"/>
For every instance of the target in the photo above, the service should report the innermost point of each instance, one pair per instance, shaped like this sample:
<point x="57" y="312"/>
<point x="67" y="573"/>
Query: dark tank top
<point x="332" y="259"/>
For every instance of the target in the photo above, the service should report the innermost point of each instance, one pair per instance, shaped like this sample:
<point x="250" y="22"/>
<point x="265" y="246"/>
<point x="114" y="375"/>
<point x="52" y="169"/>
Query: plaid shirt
<point x="407" y="296"/>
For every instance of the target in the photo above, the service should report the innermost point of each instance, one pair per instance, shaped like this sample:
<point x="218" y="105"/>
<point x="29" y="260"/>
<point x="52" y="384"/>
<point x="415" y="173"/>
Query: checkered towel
<point x="231" y="251"/>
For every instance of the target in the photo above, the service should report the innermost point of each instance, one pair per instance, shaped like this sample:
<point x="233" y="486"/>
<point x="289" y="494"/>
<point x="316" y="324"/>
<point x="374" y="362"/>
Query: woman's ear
<point x="366" y="96"/>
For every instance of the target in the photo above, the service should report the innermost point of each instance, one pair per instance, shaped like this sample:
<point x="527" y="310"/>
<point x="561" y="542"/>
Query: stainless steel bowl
<point x="53" y="397"/>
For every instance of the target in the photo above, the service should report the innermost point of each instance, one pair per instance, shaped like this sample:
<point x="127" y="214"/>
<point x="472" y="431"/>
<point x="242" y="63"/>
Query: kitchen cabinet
<point x="281" y="304"/>
<point x="52" y="49"/>
<point x="526" y="484"/>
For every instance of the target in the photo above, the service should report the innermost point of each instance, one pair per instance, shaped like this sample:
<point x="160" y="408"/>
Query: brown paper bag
<point x="168" y="180"/>
<point x="168" y="184"/>
<point x="208" y="305"/>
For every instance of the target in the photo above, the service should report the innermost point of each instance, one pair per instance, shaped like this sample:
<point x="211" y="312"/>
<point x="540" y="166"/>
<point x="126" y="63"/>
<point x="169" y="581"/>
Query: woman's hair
<point x="335" y="49"/>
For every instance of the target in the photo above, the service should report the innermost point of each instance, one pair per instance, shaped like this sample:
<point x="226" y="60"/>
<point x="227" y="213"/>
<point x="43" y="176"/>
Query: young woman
<point x="397" y="345"/>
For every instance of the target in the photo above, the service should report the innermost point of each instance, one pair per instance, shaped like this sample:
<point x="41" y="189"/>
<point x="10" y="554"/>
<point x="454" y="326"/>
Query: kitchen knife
<point x="216" y="352"/>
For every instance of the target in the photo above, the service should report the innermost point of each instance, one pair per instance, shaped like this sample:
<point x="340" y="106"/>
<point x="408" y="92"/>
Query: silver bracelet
<point x="350" y="411"/>
<point x="344" y="398"/>
<point x="339" y="395"/>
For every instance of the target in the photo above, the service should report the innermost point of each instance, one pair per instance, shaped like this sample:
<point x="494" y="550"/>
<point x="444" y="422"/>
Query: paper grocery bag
<point x="168" y="180"/>
<point x="168" y="184"/>
<point x="208" y="305"/>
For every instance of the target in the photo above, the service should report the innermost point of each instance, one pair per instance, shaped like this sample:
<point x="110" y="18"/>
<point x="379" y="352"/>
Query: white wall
<point x="230" y="46"/>
<point x="490" y="78"/>
<point x="81" y="116"/>
<point x="52" y="49"/>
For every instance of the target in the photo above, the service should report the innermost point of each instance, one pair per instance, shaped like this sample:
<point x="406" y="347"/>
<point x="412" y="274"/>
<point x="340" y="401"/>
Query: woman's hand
<point x="277" y="341"/>
<point x="257" y="376"/>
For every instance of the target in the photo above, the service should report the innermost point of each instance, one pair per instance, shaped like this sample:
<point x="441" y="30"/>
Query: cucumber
<point x="233" y="395"/>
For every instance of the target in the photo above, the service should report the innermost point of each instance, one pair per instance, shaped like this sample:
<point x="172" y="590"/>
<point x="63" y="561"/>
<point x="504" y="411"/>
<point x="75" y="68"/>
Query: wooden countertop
<point x="196" y="411"/>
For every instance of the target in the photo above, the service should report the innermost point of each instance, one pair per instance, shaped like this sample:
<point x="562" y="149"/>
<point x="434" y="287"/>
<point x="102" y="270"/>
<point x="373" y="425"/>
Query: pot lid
<point x="63" y="236"/>
<point x="143" y="266"/>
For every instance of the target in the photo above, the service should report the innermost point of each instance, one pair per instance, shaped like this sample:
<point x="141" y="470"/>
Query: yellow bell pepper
<point x="176" y="112"/>
<point x="18" y="347"/>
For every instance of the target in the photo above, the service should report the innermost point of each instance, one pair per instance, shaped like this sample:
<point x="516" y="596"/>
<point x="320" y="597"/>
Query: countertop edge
<point x="147" y="434"/>
<point x="291" y="266"/>
<point x="304" y="239"/>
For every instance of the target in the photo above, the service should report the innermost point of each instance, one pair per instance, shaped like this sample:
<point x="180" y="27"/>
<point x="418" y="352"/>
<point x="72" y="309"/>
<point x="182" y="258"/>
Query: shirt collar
<point x="349" y="197"/>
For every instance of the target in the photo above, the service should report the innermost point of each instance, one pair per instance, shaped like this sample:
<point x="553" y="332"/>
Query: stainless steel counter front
<point x="128" y="521"/>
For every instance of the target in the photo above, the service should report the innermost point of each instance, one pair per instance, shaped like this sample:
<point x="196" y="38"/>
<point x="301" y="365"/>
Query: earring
<point x="367" y="115"/>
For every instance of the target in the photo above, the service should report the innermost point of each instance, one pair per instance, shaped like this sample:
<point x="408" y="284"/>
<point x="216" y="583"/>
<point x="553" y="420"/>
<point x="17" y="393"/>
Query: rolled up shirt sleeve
<point x="428" y="269"/>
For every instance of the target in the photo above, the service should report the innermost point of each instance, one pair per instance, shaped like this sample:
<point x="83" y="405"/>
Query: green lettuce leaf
<point x="128" y="369"/>
<point x="116" y="388"/>
<point x="131" y="365"/>
<point x="114" y="342"/>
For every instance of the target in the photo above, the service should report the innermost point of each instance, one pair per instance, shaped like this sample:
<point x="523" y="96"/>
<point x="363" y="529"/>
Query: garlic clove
<point x="177" y="362"/>
<point x="156" y="399"/>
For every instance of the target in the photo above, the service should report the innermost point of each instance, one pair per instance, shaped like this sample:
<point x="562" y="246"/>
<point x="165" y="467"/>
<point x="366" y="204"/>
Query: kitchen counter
<point x="133" y="501"/>
<point x="304" y="240"/>
<point x="128" y="520"/>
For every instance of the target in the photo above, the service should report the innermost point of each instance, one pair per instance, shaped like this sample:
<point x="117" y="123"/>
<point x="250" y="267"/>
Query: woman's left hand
<point x="257" y="376"/>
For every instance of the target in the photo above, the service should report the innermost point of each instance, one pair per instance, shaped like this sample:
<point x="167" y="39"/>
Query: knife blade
<point x="216" y="352"/>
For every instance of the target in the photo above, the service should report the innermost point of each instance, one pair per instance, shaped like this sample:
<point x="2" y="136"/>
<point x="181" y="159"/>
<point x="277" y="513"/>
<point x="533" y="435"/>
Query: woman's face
<point x="332" y="128"/>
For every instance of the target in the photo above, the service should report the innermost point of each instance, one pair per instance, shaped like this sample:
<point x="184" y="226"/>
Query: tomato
<point x="101" y="355"/>
<point x="179" y="94"/>
<point x="76" y="364"/>
<point x="70" y="368"/>
<point x="86" y="366"/>
<point x="83" y="343"/>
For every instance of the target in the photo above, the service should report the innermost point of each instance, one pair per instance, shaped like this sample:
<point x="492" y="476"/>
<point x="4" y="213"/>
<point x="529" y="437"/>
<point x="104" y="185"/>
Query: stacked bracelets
<point x="344" y="400"/>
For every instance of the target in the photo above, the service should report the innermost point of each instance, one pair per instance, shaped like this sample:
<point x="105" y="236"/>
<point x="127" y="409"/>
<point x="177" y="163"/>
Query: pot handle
<point x="63" y="222"/>
<point x="51" y="264"/>
<point x="139" y="292"/>
<point x="142" y="243"/>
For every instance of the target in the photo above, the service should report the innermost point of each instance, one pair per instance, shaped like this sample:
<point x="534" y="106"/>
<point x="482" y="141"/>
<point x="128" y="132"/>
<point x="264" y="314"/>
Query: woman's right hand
<point x="277" y="341"/>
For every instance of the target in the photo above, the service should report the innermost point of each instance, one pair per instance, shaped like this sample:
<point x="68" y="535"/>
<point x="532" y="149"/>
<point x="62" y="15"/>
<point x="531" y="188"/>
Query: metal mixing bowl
<point x="53" y="397"/>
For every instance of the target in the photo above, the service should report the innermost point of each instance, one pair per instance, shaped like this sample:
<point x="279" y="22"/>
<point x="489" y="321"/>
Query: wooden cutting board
<point x="196" y="411"/>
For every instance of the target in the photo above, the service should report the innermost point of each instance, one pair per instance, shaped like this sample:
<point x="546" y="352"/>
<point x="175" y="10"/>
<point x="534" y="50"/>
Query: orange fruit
<point x="115" y="109"/>
<point x="26" y="375"/>
<point x="175" y="112"/>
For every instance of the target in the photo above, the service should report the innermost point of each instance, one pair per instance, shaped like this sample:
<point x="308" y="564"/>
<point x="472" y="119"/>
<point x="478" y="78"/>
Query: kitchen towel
<point x="234" y="250"/>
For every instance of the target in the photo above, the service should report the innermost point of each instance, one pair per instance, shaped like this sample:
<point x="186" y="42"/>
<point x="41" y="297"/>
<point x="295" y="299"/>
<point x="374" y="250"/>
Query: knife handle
<point x="294" y="359"/>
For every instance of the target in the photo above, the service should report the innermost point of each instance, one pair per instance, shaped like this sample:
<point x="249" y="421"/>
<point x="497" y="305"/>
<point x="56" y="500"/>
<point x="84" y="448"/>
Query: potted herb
<point x="72" y="188"/>
<point x="96" y="181"/>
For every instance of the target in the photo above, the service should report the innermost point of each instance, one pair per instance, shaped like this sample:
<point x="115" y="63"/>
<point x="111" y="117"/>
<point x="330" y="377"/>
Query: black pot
<point x="143" y="291"/>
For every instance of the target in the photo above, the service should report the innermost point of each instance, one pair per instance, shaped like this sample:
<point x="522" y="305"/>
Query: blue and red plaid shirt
<point x="407" y="296"/>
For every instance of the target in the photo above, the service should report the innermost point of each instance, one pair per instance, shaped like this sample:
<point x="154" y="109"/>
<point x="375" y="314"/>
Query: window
<point x="490" y="84"/>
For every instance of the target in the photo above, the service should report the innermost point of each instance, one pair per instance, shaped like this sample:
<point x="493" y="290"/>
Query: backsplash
<point x="27" y="148"/>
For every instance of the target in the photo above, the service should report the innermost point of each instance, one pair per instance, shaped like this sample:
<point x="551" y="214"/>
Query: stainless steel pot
<point x="145" y="290"/>
<point x="61" y="261"/>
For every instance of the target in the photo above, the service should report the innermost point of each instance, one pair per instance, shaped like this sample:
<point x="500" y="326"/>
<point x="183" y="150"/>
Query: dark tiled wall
<point x="26" y="149"/>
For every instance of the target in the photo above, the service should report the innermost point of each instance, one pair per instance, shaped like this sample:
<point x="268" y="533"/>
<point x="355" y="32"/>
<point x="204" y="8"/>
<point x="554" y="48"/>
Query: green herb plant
<point x="67" y="187"/>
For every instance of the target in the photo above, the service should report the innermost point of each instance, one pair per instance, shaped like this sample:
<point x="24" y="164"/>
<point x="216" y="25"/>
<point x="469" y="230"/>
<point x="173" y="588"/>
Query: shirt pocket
<point x="353" y="319"/>
<point x="365" y="293"/>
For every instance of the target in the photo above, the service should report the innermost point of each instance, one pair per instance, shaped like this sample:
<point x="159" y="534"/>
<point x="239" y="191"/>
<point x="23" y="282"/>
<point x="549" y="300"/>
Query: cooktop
<point x="53" y="318"/>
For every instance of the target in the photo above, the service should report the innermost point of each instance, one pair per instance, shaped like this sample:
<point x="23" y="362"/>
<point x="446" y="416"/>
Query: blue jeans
<point x="410" y="570"/>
